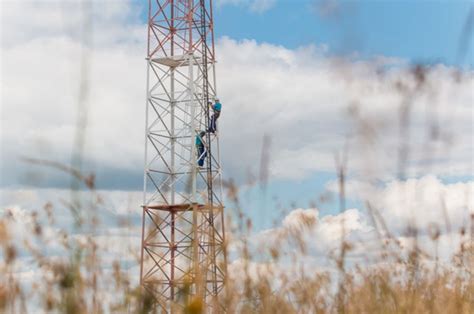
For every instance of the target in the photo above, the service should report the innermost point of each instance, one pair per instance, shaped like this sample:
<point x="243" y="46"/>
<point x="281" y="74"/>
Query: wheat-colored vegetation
<point x="397" y="280"/>
<point x="401" y="281"/>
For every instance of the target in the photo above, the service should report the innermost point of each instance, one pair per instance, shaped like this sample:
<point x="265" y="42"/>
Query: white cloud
<point x="319" y="235"/>
<point x="262" y="5"/>
<point x="431" y="203"/>
<point x="436" y="212"/>
<point x="53" y="19"/>
<point x="300" y="97"/>
<point x="423" y="203"/>
<point x="426" y="202"/>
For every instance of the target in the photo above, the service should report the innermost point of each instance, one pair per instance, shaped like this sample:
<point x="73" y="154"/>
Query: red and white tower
<point x="183" y="254"/>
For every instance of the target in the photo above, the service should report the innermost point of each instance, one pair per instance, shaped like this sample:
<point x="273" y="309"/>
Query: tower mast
<point x="182" y="253"/>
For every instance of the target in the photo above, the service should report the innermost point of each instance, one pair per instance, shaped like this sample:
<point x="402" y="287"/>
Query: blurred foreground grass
<point x="402" y="281"/>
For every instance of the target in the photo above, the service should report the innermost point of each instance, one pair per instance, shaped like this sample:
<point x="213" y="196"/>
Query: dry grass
<point x="402" y="281"/>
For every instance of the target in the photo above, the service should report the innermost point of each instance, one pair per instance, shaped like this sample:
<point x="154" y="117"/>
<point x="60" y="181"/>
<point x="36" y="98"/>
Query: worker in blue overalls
<point x="216" y="108"/>
<point x="200" y="148"/>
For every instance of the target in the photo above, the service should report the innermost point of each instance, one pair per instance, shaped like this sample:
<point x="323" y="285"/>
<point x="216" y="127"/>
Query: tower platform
<point x="178" y="61"/>
<point x="184" y="207"/>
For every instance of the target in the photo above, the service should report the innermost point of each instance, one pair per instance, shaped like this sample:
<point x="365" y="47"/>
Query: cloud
<point x="424" y="212"/>
<point x="310" y="103"/>
<point x="53" y="19"/>
<point x="39" y="99"/>
<point x="306" y="231"/>
<point x="423" y="203"/>
<point x="426" y="202"/>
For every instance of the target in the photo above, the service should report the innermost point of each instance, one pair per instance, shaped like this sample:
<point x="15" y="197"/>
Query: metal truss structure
<point x="183" y="254"/>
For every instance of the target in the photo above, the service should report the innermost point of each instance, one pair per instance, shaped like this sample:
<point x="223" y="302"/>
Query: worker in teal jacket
<point x="216" y="108"/>
<point x="200" y="148"/>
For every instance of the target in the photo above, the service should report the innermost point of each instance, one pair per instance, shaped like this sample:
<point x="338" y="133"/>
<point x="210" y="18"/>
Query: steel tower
<point x="182" y="254"/>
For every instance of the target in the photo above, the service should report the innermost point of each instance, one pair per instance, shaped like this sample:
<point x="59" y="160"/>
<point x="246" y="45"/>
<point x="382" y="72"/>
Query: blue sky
<point x="426" y="31"/>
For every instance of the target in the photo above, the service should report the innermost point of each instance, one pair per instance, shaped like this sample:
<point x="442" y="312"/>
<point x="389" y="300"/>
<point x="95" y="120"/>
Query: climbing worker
<point x="216" y="108"/>
<point x="200" y="149"/>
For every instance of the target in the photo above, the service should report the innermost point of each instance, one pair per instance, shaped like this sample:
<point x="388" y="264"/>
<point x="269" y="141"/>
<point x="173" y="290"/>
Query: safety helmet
<point x="216" y="99"/>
